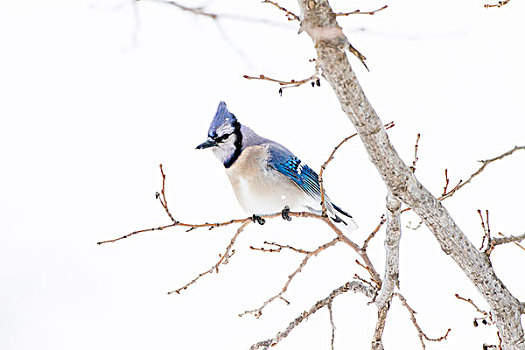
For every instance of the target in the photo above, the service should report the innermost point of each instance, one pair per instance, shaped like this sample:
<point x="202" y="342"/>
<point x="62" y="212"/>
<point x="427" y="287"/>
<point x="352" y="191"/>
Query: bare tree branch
<point x="416" y="147"/>
<point x="200" y="11"/>
<point x="499" y="4"/>
<point x="486" y="319"/>
<point x="512" y="239"/>
<point x="258" y="311"/>
<point x="191" y="227"/>
<point x="320" y="23"/>
<point x="359" y="12"/>
<point x="290" y="15"/>
<point x="163" y="200"/>
<point x="373" y="233"/>
<point x="477" y="172"/>
<point x="392" y="239"/>
<point x="329" y="306"/>
<point x="224" y="258"/>
<point x="279" y="248"/>
<point x="508" y="239"/>
<point x="377" y="340"/>
<point x="391" y="277"/>
<point x="325" y="164"/>
<point x="288" y="84"/>
<point x="422" y="335"/>
<point x="353" y="286"/>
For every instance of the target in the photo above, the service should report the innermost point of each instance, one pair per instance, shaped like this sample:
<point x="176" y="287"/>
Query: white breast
<point x="261" y="189"/>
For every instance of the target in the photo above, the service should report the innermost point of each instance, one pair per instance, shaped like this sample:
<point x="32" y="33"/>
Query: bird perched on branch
<point x="266" y="177"/>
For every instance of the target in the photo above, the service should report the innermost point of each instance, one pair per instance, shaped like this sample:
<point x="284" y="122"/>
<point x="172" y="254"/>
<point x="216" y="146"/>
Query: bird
<point x="266" y="177"/>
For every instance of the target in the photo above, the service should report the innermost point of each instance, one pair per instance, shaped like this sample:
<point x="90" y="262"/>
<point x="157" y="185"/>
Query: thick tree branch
<point x="320" y="23"/>
<point x="377" y="340"/>
<point x="390" y="280"/>
<point x="392" y="239"/>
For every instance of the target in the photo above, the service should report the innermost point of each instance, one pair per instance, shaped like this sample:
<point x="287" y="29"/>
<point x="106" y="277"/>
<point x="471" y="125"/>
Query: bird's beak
<point x="207" y="144"/>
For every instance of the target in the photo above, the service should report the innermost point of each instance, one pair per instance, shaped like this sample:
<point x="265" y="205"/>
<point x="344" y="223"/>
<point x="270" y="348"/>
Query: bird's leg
<point x="285" y="213"/>
<point x="258" y="219"/>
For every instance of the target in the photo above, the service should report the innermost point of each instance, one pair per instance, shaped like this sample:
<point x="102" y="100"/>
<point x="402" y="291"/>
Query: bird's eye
<point x="223" y="137"/>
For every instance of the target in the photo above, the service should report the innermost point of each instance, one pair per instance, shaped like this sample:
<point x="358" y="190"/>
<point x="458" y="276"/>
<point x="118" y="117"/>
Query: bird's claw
<point x="258" y="219"/>
<point x="285" y="213"/>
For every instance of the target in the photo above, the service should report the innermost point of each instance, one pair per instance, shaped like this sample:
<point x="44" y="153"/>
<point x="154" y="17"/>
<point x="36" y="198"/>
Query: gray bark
<point x="392" y="238"/>
<point x="319" y="21"/>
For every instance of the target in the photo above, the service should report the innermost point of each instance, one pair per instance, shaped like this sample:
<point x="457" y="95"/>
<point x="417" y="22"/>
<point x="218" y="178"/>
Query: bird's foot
<point x="285" y="213"/>
<point x="258" y="219"/>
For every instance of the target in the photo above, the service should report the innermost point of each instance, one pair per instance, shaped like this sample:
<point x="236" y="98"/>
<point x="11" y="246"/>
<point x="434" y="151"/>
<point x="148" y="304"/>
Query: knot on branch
<point x="392" y="204"/>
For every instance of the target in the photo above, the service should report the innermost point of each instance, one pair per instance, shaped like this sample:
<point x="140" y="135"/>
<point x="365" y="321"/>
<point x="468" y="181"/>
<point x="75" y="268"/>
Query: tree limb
<point x="319" y="21"/>
<point x="390" y="280"/>
<point x="476" y="173"/>
<point x="353" y="286"/>
<point x="422" y="335"/>
<point x="508" y="239"/>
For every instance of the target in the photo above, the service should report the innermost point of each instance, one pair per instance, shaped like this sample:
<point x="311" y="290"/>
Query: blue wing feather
<point x="282" y="160"/>
<point x="286" y="163"/>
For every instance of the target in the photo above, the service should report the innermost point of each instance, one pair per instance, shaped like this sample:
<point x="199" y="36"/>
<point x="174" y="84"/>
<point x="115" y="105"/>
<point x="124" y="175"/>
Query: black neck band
<point x="238" y="145"/>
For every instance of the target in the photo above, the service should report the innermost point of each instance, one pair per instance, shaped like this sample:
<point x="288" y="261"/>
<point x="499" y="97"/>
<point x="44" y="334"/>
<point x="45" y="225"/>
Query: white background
<point x="95" y="94"/>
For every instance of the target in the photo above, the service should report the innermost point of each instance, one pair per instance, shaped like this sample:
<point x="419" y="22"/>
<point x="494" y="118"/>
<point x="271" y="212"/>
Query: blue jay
<point x="266" y="177"/>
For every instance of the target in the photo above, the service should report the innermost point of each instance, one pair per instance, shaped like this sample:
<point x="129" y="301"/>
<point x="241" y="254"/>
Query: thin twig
<point x="289" y="15"/>
<point x="195" y="10"/>
<point x="414" y="162"/>
<point x="499" y="4"/>
<point x="359" y="278"/>
<point x="483" y="312"/>
<point x="409" y="225"/>
<point x="235" y="221"/>
<point x="325" y="164"/>
<point x="216" y="17"/>
<point x="373" y="233"/>
<point x="189" y="226"/>
<point x="359" y="12"/>
<point x="486" y="230"/>
<point x="314" y="79"/>
<point x="477" y="172"/>
<point x="377" y="280"/>
<point x="279" y="248"/>
<point x="284" y="83"/>
<point x="449" y="193"/>
<point x="163" y="200"/>
<point x="447" y="181"/>
<point x="224" y="258"/>
<point x="258" y="311"/>
<point x="354" y="286"/>
<point x="422" y="335"/>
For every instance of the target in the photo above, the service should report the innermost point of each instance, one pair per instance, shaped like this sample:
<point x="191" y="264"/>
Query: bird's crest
<point x="222" y="121"/>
